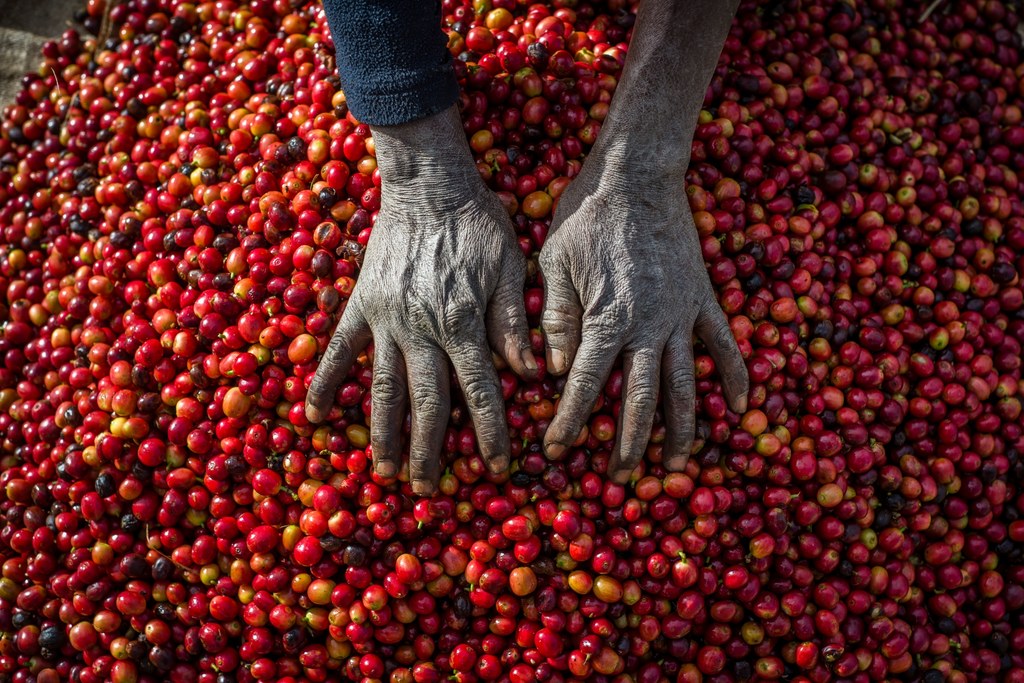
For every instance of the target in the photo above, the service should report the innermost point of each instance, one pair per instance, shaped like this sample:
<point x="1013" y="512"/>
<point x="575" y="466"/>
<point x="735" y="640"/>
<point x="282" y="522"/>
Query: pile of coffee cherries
<point x="183" y="212"/>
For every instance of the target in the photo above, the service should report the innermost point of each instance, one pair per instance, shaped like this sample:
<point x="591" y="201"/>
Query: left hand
<point x="623" y="272"/>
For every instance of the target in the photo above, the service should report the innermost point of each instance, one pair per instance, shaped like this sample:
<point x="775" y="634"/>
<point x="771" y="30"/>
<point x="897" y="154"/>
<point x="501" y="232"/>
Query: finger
<point x="640" y="379"/>
<point x="562" y="316"/>
<point x="713" y="329"/>
<point x="506" y="319"/>
<point x="428" y="393"/>
<point x="589" y="373"/>
<point x="680" y="399"/>
<point x="350" y="338"/>
<point x="482" y="390"/>
<point x="389" y="393"/>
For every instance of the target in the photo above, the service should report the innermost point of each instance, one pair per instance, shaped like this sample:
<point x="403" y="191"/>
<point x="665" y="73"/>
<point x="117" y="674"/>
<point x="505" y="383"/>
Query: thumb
<point x="507" y="330"/>
<point x="562" y="318"/>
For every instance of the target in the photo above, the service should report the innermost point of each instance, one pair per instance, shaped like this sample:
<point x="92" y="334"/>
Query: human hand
<point x="623" y="269"/>
<point x="442" y="278"/>
<point x="623" y="272"/>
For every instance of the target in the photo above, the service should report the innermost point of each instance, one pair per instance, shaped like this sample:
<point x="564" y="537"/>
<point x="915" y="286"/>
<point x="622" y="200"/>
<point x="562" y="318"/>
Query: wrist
<point x="426" y="160"/>
<point x="632" y="166"/>
<point x="675" y="46"/>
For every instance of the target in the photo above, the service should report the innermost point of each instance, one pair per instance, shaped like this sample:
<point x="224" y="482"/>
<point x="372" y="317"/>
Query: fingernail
<point x="741" y="402"/>
<point x="385" y="470"/>
<point x="422" y="488"/>
<point x="621" y="477"/>
<point x="557" y="360"/>
<point x="312" y="414"/>
<point x="555" y="450"/>
<point x="498" y="465"/>
<point x="528" y="360"/>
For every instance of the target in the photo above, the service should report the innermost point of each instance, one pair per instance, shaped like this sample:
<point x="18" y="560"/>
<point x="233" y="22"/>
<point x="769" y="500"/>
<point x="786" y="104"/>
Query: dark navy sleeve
<point x="392" y="59"/>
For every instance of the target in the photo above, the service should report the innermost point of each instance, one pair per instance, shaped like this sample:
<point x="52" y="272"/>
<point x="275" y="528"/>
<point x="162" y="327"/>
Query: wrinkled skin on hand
<point x="623" y="272"/>
<point x="623" y="269"/>
<point x="442" y="279"/>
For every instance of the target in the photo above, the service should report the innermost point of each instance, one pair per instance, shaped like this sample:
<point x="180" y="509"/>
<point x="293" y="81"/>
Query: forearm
<point x="392" y="58"/>
<point x="672" y="56"/>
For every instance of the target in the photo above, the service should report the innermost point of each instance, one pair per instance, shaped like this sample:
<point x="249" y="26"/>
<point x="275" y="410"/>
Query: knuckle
<point x="557" y="308"/>
<point x="427" y="401"/>
<point x="720" y="332"/>
<point x="479" y="391"/>
<point x="507" y="303"/>
<point x="420" y="318"/>
<point x="612" y="316"/>
<point x="512" y="332"/>
<point x="329" y="363"/>
<point x="460" y="321"/>
<point x="680" y="380"/>
<point x="550" y="254"/>
<point x="387" y="389"/>
<point x="723" y="339"/>
<point x="557" y="321"/>
<point x="692" y="304"/>
<point x="642" y="395"/>
<point x="515" y="339"/>
<point x="459" y="317"/>
<point x="334" y="348"/>
<point x="587" y="381"/>
<point x="506" y="313"/>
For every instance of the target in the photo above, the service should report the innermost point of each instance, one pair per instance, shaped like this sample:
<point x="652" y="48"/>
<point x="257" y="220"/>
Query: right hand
<point x="442" y="279"/>
<point x="623" y="273"/>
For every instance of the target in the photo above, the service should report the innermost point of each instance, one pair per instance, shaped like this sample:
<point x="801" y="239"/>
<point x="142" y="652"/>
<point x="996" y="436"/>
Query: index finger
<point x="350" y="338"/>
<point x="587" y="378"/>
